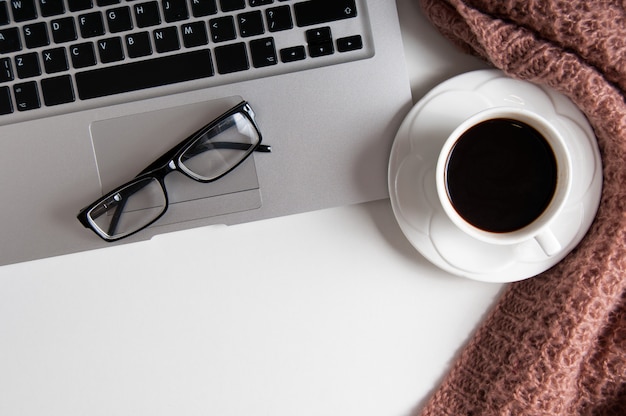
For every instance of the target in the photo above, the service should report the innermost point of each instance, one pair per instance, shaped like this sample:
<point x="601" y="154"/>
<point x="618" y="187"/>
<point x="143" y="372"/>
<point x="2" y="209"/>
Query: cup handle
<point x="548" y="242"/>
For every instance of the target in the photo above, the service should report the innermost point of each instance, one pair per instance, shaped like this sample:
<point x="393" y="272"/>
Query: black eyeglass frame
<point x="169" y="162"/>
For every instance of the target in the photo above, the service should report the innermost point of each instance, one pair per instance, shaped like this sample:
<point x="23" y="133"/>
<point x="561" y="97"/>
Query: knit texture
<point x="554" y="344"/>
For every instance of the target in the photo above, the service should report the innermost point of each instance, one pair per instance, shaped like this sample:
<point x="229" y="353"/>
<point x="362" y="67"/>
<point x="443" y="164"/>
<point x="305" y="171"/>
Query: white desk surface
<point x="324" y="313"/>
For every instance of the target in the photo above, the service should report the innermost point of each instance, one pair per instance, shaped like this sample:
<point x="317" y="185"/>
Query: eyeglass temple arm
<point x="119" y="206"/>
<point x="236" y="146"/>
<point x="116" y="218"/>
<point x="264" y="148"/>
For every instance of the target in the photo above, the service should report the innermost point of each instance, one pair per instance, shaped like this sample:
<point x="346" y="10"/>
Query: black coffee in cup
<point x="501" y="175"/>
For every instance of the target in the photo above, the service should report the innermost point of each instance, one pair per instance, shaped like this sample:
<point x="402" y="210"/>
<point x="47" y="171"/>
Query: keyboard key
<point x="278" y="18"/>
<point x="119" y="19"/>
<point x="315" y="12"/>
<point x="6" y="70"/>
<point x="296" y="53"/>
<point x="319" y="35"/>
<point x="232" y="5"/>
<point x="4" y="13"/>
<point x="231" y="58"/>
<point x="55" y="60"/>
<point x="144" y="74"/>
<point x="91" y="25"/>
<point x="27" y="65"/>
<point x="63" y="30"/>
<point x="254" y="3"/>
<point x="138" y="44"/>
<point x="147" y="14"/>
<point x="51" y="7"/>
<point x="78" y="5"/>
<point x="6" y="106"/>
<point x="103" y="3"/>
<point x="250" y="24"/>
<point x="82" y="55"/>
<point x="350" y="43"/>
<point x="200" y="8"/>
<point x="316" y="51"/>
<point x="222" y="29"/>
<point x="263" y="52"/>
<point x="320" y="41"/>
<point x="110" y="50"/>
<point x="10" y="40"/>
<point x="36" y="35"/>
<point x="23" y="10"/>
<point x="26" y="96"/>
<point x="175" y="10"/>
<point x="57" y="90"/>
<point x="194" y="34"/>
<point x="166" y="39"/>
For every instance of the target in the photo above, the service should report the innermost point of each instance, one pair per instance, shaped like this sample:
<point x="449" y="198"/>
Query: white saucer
<point x="412" y="176"/>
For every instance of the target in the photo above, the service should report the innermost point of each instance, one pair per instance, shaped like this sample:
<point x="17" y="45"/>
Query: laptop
<point x="93" y="91"/>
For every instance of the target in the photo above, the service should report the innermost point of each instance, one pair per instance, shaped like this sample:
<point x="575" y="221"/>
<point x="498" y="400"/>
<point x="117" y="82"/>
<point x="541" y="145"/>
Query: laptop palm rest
<point x="124" y="146"/>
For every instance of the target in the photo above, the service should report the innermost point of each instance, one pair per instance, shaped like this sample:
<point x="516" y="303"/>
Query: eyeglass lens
<point x="139" y="203"/>
<point x="129" y="209"/>
<point x="219" y="149"/>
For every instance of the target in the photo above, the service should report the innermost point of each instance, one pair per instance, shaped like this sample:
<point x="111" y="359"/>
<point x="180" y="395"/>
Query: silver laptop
<point x="93" y="91"/>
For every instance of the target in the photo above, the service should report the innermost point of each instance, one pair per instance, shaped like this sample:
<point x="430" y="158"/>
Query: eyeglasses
<point x="207" y="155"/>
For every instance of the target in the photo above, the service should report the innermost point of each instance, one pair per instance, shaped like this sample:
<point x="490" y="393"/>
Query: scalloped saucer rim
<point x="411" y="176"/>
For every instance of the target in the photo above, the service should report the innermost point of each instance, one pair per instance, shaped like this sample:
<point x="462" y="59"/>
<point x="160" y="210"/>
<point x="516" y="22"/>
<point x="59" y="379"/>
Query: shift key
<point x="315" y="12"/>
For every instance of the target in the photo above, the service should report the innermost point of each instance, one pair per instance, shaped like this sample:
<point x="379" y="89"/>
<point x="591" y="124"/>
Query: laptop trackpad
<point x="124" y="146"/>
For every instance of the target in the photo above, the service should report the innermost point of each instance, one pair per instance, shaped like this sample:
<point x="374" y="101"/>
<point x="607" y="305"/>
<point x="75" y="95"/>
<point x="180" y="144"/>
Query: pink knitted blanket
<point x="554" y="344"/>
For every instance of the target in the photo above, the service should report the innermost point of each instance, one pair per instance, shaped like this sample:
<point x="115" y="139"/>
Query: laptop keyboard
<point x="60" y="56"/>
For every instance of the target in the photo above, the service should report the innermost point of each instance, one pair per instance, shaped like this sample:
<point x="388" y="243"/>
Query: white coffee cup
<point x="503" y="175"/>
